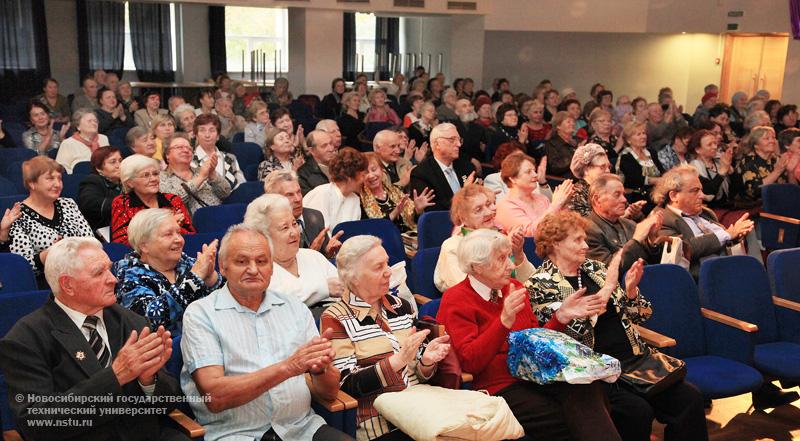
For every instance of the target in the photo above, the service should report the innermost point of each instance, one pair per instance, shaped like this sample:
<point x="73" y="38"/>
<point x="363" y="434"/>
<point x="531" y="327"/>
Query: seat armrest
<point x="728" y="320"/>
<point x="188" y="426"/>
<point x="786" y="303"/>
<point x="655" y="339"/>
<point x="777" y="217"/>
<point x="11" y="435"/>
<point x="343" y="401"/>
<point x="421" y="299"/>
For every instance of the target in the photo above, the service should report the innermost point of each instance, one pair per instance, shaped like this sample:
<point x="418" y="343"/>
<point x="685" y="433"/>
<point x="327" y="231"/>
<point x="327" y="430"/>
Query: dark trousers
<point x="679" y="407"/>
<point x="324" y="433"/>
<point x="561" y="411"/>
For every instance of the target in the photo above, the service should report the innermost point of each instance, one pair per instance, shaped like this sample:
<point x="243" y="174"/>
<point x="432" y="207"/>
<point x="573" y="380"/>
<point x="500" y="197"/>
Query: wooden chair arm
<point x="789" y="220"/>
<point x="11" y="435"/>
<point x="554" y="178"/>
<point x="421" y="299"/>
<point x="786" y="303"/>
<point x="728" y="320"/>
<point x="342" y="401"/>
<point x="655" y="339"/>
<point x="187" y="425"/>
<point x="466" y="377"/>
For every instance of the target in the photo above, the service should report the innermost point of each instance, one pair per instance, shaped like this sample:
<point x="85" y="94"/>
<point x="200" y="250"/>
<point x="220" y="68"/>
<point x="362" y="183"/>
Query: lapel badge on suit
<point x="80" y="356"/>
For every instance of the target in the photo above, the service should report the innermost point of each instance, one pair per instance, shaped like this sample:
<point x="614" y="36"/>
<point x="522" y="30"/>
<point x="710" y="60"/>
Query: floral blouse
<point x="579" y="202"/>
<point x="32" y="139"/>
<point x="753" y="169"/>
<point x="268" y="165"/>
<point x="148" y="293"/>
<point x="548" y="287"/>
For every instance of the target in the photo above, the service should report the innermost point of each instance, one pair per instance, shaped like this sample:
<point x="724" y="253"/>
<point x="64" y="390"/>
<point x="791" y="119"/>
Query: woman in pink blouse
<point x="524" y="206"/>
<point x="379" y="111"/>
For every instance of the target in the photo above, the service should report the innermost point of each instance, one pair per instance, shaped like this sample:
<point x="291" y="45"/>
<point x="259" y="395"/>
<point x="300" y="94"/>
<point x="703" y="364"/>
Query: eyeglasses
<point x="148" y="175"/>
<point x="454" y="139"/>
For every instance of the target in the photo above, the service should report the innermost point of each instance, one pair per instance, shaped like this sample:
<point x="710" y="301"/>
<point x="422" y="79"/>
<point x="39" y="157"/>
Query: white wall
<point x="631" y="64"/>
<point x="62" y="40"/>
<point x="430" y="35"/>
<point x="315" y="49"/>
<point x="196" y="62"/>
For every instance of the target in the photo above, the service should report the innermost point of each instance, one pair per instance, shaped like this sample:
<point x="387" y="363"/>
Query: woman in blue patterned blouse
<point x="157" y="280"/>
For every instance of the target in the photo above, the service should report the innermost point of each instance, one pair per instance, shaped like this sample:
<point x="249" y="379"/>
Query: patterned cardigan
<point x="547" y="288"/>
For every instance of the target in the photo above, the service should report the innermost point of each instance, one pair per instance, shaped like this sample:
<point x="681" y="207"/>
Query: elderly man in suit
<point x="313" y="233"/>
<point x="443" y="171"/>
<point x="82" y="345"/>
<point x="681" y="193"/>
<point x="314" y="172"/>
<point x="397" y="169"/>
<point x="609" y="231"/>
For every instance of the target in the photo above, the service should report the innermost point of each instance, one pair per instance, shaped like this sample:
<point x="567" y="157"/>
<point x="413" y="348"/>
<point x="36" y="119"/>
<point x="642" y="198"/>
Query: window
<point x="248" y="29"/>
<point x="129" y="64"/>
<point x="17" y="48"/>
<point x="365" y="42"/>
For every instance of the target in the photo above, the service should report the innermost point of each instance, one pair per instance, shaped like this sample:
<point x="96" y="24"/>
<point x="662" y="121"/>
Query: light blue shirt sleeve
<point x="199" y="343"/>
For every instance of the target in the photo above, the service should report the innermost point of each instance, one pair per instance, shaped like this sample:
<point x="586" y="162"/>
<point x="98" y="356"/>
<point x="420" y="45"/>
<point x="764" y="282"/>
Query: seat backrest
<point x="784" y="277"/>
<point x="218" y="218"/>
<point x="116" y="251"/>
<point x="372" y="129"/>
<point x="245" y="193"/>
<point x="251" y="172"/>
<point x="247" y="153"/>
<point x="6" y="202"/>
<point x="781" y="199"/>
<point x="193" y="243"/>
<point x="433" y="228"/>
<point x="738" y="286"/>
<point x="7" y="188"/>
<point x="175" y="362"/>
<point x="422" y="266"/>
<point x="238" y="137"/>
<point x="16" y="274"/>
<point x="382" y="228"/>
<point x="82" y="168"/>
<point x="676" y="308"/>
<point x="72" y="185"/>
<point x="7" y="156"/>
<point x="429" y="309"/>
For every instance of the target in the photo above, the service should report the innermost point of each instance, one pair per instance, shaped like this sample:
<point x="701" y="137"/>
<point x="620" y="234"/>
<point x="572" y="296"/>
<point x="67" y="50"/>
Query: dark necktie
<point x="304" y="243"/>
<point x="96" y="342"/>
<point x="391" y="170"/>
<point x="494" y="296"/>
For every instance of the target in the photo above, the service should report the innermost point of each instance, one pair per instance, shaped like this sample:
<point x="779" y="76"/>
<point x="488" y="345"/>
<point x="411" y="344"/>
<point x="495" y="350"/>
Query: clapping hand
<point x="634" y="210"/>
<point x="541" y="170"/>
<point x="408" y="349"/>
<point x="142" y="356"/>
<point x="515" y="302"/>
<point x="517" y="243"/>
<point x="436" y="350"/>
<point x="742" y="226"/>
<point x="562" y="193"/>
<point x="204" y="265"/>
<point x="410" y="150"/>
<point x="9" y="217"/>
<point x="421" y="152"/>
<point x="423" y="200"/>
<point x="578" y="306"/>
<point x="313" y="357"/>
<point x="146" y="377"/>
<point x="633" y="277"/>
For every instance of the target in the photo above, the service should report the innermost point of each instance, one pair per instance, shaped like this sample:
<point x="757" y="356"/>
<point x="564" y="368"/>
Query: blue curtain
<point x="349" y="47"/>
<point x="24" y="58"/>
<point x="101" y="36"/>
<point x="151" y="38"/>
<point x="387" y="41"/>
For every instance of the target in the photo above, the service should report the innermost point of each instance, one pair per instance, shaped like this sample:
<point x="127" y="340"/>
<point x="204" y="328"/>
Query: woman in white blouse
<point x="302" y="272"/>
<point x="80" y="146"/>
<point x="338" y="200"/>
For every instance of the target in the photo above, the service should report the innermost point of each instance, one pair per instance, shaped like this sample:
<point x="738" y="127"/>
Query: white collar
<point x="444" y="167"/>
<point x="484" y="291"/>
<point x="77" y="317"/>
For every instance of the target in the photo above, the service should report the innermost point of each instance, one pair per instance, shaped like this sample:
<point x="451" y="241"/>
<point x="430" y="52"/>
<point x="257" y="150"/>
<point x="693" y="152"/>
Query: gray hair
<point x="599" y="185"/>
<point x="756" y="134"/>
<point x="478" y="247"/>
<point x="78" y="115"/>
<point x="349" y="257"/>
<point x="311" y="138"/>
<point x="755" y="119"/>
<point x="276" y="177"/>
<point x="325" y="125"/>
<point x="144" y="224"/>
<point x="583" y="158"/>
<point x="383" y="137"/>
<point x="62" y="259"/>
<point x="135" y="133"/>
<point x="132" y="165"/>
<point x="438" y="131"/>
<point x="259" y="212"/>
<point x="183" y="108"/>
<point x="671" y="181"/>
<point x="224" y="244"/>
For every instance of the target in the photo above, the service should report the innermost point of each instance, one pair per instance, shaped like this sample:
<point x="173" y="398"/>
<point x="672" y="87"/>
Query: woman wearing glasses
<point x="140" y="190"/>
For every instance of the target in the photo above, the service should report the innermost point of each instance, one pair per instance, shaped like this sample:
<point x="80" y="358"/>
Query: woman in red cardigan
<point x="481" y="311"/>
<point x="140" y="185"/>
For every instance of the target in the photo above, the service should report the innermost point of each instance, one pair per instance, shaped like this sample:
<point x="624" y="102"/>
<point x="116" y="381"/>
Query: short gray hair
<point x="224" y="244"/>
<point x="259" y="212"/>
<point x="325" y="124"/>
<point x="478" y="247"/>
<point x="276" y="177"/>
<point x="78" y="115"/>
<point x="583" y="157"/>
<point x="62" y="259"/>
<point x="383" y="137"/>
<point x="671" y="181"/>
<point x="350" y="254"/>
<point x="144" y="223"/>
<point x="132" y="165"/>
<point x="133" y="134"/>
<point x="183" y="108"/>
<point x="438" y="131"/>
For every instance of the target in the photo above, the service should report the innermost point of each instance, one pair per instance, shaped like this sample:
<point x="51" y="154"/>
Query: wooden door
<point x="752" y="62"/>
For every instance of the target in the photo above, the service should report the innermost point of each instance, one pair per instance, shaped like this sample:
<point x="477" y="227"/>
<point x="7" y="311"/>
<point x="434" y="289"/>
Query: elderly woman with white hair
<point x="483" y="309"/>
<point x="158" y="280"/>
<point x="301" y="272"/>
<point x="377" y="347"/>
<point x="86" y="139"/>
<point x="140" y="190"/>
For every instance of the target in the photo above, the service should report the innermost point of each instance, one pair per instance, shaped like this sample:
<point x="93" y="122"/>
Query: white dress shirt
<point x="334" y="206"/>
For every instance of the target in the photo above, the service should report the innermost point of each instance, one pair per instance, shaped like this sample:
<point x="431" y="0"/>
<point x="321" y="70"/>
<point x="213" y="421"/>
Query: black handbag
<point x="651" y="373"/>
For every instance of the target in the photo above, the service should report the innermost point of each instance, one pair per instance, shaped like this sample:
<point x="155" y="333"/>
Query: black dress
<point x="350" y="128"/>
<point x="95" y="195"/>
